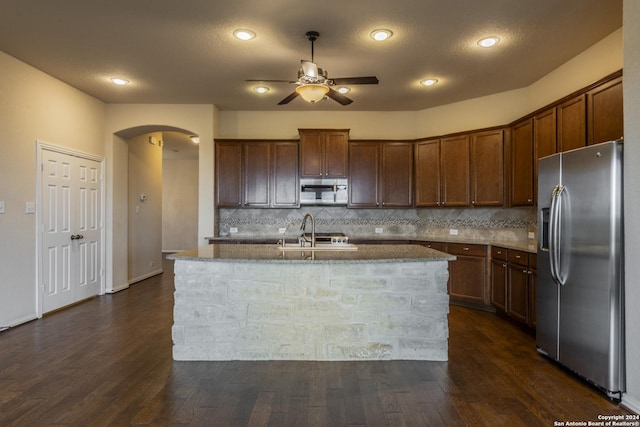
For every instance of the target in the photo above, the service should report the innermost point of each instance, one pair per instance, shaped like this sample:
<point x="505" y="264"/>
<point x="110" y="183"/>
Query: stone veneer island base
<point x="255" y="302"/>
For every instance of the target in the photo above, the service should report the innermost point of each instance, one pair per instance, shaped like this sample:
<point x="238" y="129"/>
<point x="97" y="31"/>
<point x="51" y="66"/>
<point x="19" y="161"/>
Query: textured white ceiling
<point x="184" y="52"/>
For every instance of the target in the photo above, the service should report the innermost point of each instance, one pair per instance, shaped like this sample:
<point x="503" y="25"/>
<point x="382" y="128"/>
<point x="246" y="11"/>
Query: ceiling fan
<point x="313" y="82"/>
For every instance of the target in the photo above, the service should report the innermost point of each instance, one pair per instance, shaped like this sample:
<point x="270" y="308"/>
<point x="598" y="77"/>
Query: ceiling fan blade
<point x="338" y="97"/>
<point x="293" y="95"/>
<point x="370" y="80"/>
<point x="309" y="68"/>
<point x="269" y="80"/>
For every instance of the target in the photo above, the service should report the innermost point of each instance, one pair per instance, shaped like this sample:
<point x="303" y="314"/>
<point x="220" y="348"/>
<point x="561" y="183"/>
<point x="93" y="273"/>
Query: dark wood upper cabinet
<point x="257" y="174"/>
<point x="323" y="153"/>
<point x="285" y="177"/>
<point x="605" y="112"/>
<point x="396" y="175"/>
<point x="454" y="164"/>
<point x="427" y="173"/>
<point x="487" y="168"/>
<point x="544" y="133"/>
<point x="522" y="163"/>
<point x="364" y="158"/>
<point x="228" y="174"/>
<point x="571" y="116"/>
<point x="380" y="174"/>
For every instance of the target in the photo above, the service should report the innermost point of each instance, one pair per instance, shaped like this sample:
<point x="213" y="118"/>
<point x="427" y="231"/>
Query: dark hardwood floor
<point x="107" y="362"/>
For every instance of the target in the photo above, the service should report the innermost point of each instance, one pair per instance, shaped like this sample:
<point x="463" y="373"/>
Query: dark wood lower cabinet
<point x="513" y="284"/>
<point x="467" y="281"/>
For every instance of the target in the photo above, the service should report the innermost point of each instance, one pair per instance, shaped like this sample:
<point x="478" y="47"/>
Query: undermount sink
<point x="319" y="247"/>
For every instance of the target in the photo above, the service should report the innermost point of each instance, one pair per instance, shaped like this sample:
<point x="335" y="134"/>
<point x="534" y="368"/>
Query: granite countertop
<point x="526" y="245"/>
<point x="272" y="254"/>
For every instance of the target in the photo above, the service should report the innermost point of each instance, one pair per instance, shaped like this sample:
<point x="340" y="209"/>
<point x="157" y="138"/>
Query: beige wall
<point x="631" y="14"/>
<point x="33" y="106"/>
<point x="145" y="216"/>
<point x="179" y="205"/>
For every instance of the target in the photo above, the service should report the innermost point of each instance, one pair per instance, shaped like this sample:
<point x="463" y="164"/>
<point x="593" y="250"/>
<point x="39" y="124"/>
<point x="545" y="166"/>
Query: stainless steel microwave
<point x="325" y="191"/>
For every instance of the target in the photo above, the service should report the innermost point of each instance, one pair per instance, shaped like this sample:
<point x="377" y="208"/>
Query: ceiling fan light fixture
<point x="312" y="92"/>
<point x="428" y="82"/>
<point x="244" y="34"/>
<point x="488" y="41"/>
<point x="381" y="34"/>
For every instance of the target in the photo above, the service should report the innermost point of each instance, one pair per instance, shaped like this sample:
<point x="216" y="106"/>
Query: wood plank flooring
<point x="107" y="362"/>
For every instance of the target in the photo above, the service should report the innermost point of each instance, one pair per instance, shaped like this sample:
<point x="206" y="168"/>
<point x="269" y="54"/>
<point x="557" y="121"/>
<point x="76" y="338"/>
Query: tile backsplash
<point x="472" y="223"/>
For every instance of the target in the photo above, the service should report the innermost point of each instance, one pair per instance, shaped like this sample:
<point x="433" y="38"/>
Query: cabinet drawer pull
<point x="504" y="265"/>
<point x="465" y="249"/>
<point x="517" y="256"/>
<point x="525" y="271"/>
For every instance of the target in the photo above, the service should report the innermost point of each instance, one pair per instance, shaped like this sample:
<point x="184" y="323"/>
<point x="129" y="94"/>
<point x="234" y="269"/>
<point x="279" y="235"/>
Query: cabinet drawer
<point x="462" y="249"/>
<point x="498" y="253"/>
<point x="438" y="246"/>
<point x="519" y="258"/>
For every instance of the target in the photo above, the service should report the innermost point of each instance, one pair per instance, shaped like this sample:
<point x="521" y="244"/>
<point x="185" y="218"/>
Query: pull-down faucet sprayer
<point x="313" y="229"/>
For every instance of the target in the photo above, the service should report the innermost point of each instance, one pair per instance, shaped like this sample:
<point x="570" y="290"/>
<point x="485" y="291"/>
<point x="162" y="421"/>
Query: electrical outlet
<point x="453" y="231"/>
<point x="531" y="235"/>
<point x="233" y="229"/>
<point x="379" y="230"/>
<point x="282" y="230"/>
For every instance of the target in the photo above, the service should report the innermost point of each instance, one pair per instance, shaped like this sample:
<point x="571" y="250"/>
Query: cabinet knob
<point x="529" y="200"/>
<point x="473" y="202"/>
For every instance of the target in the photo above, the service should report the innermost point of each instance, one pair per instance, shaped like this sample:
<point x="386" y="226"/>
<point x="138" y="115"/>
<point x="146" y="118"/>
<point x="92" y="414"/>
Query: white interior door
<point x="71" y="229"/>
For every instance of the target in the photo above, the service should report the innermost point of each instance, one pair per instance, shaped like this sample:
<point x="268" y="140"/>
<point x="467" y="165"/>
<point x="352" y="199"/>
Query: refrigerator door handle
<point x="554" y="242"/>
<point x="556" y="233"/>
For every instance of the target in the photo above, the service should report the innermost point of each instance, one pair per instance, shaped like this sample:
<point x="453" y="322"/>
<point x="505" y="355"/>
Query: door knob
<point x="77" y="236"/>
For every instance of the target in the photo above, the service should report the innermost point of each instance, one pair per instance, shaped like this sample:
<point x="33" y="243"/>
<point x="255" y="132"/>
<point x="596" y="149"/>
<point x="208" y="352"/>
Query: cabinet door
<point x="256" y="174"/>
<point x="518" y="293"/>
<point x="396" y="175"/>
<point x="454" y="164"/>
<point x="487" y="168"/>
<point x="499" y="285"/>
<point x="605" y="122"/>
<point x="427" y="173"/>
<point x="522" y="177"/>
<point x="572" y="124"/>
<point x="363" y="174"/>
<point x="286" y="181"/>
<point x="532" y="298"/>
<point x="336" y="154"/>
<point x="228" y="174"/>
<point x="311" y="154"/>
<point x="466" y="279"/>
<point x="544" y="133"/>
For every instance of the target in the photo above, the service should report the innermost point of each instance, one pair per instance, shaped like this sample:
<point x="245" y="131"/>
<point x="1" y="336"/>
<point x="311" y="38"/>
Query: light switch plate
<point x="282" y="230"/>
<point x="30" y="208"/>
<point x="531" y="235"/>
<point x="233" y="229"/>
<point x="379" y="230"/>
<point x="453" y="231"/>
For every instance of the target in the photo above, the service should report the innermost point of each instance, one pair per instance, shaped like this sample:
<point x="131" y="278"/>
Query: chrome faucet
<point x="303" y="237"/>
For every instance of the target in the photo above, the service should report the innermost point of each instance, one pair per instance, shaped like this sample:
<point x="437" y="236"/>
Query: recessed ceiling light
<point x="381" y="34"/>
<point x="428" y="82"/>
<point x="261" y="89"/>
<point x="119" y="81"/>
<point x="344" y="90"/>
<point x="244" y="34"/>
<point x="488" y="41"/>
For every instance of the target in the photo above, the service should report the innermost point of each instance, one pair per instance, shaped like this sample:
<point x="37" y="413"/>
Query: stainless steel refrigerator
<point x="580" y="282"/>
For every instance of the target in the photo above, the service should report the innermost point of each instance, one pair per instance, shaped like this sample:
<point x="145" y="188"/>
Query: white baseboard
<point x="19" y="321"/>
<point x="118" y="288"/>
<point x="632" y="403"/>
<point x="145" y="276"/>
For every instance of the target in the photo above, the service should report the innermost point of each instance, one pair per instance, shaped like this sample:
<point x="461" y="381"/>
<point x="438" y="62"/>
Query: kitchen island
<point x="259" y="302"/>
